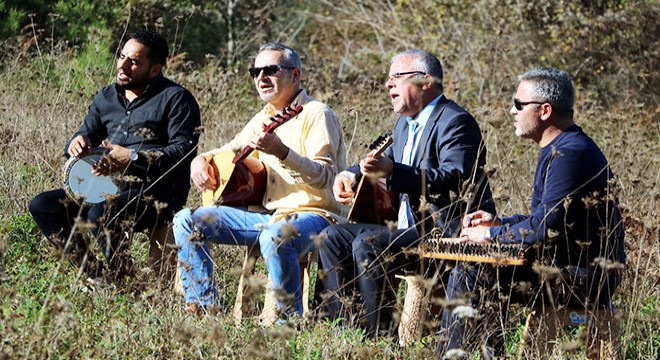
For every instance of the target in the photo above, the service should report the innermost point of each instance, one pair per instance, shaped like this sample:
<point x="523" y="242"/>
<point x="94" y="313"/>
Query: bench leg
<point x="162" y="253"/>
<point x="604" y="336"/>
<point x="545" y="325"/>
<point x="269" y="314"/>
<point x="242" y="293"/>
<point x="539" y="333"/>
<point x="305" y="270"/>
<point x="178" y="285"/>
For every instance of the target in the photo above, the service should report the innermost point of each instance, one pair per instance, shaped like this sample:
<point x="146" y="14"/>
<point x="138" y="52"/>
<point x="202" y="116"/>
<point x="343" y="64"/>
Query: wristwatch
<point x="133" y="155"/>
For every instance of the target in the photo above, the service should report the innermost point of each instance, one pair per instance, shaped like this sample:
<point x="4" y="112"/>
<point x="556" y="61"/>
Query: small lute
<point x="241" y="178"/>
<point x="372" y="202"/>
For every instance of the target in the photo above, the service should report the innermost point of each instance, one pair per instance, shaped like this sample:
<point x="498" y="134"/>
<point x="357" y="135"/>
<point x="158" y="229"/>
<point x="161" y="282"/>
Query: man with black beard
<point x="147" y="125"/>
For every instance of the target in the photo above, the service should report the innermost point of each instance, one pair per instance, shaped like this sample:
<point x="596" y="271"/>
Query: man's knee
<point x="274" y="240"/>
<point x="182" y="217"/>
<point x="332" y="232"/>
<point x="363" y="246"/>
<point x="42" y="203"/>
<point x="270" y="243"/>
<point x="461" y="281"/>
<point x="332" y="239"/>
<point x="36" y="205"/>
<point x="182" y="224"/>
<point x="95" y="213"/>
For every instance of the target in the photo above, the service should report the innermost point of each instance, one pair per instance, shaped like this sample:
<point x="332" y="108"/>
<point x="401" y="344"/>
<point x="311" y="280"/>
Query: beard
<point x="139" y="82"/>
<point x="526" y="130"/>
<point x="267" y="97"/>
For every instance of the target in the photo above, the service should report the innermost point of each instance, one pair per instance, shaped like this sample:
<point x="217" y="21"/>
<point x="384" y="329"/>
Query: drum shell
<point x="81" y="185"/>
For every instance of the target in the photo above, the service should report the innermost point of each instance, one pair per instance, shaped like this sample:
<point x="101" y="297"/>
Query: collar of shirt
<point x="421" y="119"/>
<point x="423" y="116"/>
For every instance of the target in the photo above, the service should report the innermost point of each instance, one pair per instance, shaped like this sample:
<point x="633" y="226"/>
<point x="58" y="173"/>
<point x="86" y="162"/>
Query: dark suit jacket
<point x="447" y="168"/>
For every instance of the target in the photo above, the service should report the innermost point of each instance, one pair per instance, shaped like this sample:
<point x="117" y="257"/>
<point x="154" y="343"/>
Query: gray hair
<point x="552" y="85"/>
<point x="423" y="61"/>
<point x="291" y="57"/>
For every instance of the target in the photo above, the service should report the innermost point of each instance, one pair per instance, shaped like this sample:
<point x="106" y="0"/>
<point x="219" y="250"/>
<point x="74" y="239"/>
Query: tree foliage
<point x="610" y="47"/>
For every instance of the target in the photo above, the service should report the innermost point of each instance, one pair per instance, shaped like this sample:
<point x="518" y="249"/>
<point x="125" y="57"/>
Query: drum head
<point x="79" y="182"/>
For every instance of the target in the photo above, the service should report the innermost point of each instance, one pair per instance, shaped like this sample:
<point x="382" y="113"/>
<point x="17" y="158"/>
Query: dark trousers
<point x="364" y="258"/>
<point x="57" y="216"/>
<point x="490" y="290"/>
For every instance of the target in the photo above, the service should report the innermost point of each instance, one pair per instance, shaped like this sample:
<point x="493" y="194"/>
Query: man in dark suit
<point x="435" y="166"/>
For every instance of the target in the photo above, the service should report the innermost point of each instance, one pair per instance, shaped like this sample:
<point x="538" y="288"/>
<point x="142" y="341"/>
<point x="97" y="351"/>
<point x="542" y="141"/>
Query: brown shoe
<point x="195" y="309"/>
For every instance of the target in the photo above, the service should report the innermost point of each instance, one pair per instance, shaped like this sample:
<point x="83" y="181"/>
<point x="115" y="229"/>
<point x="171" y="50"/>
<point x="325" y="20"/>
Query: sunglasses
<point x="519" y="104"/>
<point x="269" y="70"/>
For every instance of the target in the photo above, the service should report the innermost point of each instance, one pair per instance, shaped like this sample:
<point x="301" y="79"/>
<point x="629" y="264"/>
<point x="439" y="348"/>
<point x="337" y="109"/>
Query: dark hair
<point x="158" y="49"/>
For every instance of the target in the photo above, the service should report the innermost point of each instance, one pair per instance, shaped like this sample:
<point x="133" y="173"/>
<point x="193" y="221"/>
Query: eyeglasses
<point x="398" y="75"/>
<point x="269" y="70"/>
<point x="519" y="104"/>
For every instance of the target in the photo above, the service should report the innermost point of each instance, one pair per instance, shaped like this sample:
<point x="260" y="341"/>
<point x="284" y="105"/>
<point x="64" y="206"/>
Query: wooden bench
<point x="245" y="291"/>
<point x="162" y="252"/>
<point x="600" y="328"/>
<point x="542" y="327"/>
<point x="246" y="294"/>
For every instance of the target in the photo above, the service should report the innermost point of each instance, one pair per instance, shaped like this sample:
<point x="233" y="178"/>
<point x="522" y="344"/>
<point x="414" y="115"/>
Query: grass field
<point x="49" y="312"/>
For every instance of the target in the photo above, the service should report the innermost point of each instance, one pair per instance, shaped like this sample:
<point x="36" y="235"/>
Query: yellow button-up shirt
<point x="303" y="180"/>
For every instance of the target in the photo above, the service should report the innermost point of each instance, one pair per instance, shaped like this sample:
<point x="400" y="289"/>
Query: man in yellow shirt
<point x="301" y="158"/>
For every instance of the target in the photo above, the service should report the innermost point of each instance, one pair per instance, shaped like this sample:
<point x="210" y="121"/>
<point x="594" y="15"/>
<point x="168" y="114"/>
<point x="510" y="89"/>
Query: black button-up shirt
<point x="160" y="124"/>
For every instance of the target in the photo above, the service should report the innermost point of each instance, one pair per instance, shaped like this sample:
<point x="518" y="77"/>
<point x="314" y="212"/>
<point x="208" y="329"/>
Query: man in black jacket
<point x="148" y="125"/>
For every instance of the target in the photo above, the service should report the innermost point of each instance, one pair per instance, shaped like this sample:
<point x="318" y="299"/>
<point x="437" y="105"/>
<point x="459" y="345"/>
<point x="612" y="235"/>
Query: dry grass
<point x="47" y="310"/>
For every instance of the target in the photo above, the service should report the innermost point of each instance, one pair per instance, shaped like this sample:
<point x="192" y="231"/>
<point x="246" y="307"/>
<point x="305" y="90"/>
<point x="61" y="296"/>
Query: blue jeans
<point x="193" y="230"/>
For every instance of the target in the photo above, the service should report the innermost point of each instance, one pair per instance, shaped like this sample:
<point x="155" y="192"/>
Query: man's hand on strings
<point x="476" y="227"/>
<point x="342" y="187"/>
<point x="481" y="217"/>
<point x="269" y="143"/>
<point x="477" y="234"/>
<point x="202" y="174"/>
